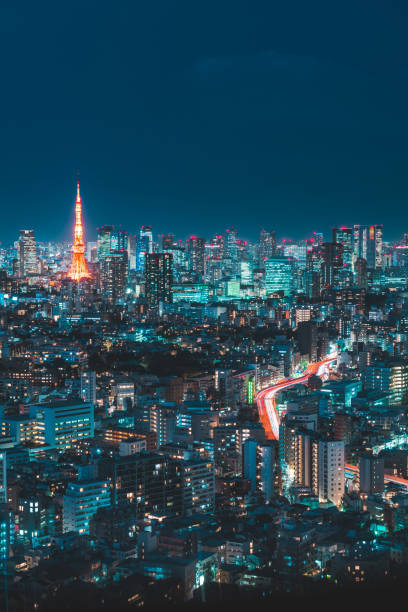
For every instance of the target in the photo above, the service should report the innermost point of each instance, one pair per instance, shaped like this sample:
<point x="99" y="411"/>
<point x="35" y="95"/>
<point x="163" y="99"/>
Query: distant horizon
<point x="251" y="116"/>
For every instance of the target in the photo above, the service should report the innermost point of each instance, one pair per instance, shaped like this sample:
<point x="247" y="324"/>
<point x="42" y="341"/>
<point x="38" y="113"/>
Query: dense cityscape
<point x="202" y="418"/>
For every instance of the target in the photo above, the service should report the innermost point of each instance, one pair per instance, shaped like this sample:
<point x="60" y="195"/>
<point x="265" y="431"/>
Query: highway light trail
<point x="266" y="399"/>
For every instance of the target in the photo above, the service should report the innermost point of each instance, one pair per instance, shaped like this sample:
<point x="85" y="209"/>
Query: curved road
<point x="266" y="401"/>
<point x="269" y="416"/>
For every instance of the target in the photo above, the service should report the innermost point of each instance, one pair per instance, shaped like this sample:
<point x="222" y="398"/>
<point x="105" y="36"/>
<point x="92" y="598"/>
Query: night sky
<point x="196" y="116"/>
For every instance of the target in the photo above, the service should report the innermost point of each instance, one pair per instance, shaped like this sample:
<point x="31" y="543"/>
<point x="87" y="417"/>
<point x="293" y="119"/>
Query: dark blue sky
<point x="195" y="115"/>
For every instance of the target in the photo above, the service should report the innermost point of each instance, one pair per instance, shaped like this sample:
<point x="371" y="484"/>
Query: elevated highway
<point x="266" y="399"/>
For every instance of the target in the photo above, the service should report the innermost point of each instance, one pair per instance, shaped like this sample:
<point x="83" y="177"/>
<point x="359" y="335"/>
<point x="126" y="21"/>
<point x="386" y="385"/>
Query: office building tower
<point x="231" y="251"/>
<point x="132" y="251"/>
<point x="144" y="246"/>
<point x="367" y="244"/>
<point x="279" y="275"/>
<point x="60" y="424"/>
<point x="124" y="393"/>
<point x="180" y="262"/>
<point x="81" y="501"/>
<point x="167" y="242"/>
<point x="92" y="252"/>
<point x="246" y="272"/>
<point x="104" y="241"/>
<point x="196" y="252"/>
<point x="111" y="239"/>
<point x="344" y="236"/>
<point x="27" y="260"/>
<point x="371" y="474"/>
<point x="88" y="386"/>
<point x="332" y="264"/>
<point x="114" y="275"/>
<point x="319" y="466"/>
<point x="306" y="336"/>
<point x="158" y="278"/>
<point x="361" y="273"/>
<point x="267" y="246"/>
<point x="313" y="272"/>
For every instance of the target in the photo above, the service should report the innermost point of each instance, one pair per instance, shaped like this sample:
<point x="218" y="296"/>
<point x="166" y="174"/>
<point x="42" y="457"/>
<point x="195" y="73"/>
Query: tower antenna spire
<point x="79" y="268"/>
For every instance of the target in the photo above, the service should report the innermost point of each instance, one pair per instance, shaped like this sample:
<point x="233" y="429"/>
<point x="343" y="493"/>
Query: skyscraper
<point x="360" y="269"/>
<point x="267" y="246"/>
<point x="114" y="275"/>
<point x="81" y="501"/>
<point x="279" y="275"/>
<point x="344" y="236"/>
<point x="158" y="278"/>
<point x="332" y="264"/>
<point x="367" y="241"/>
<point x="196" y="250"/>
<point x="111" y="239"/>
<point x="144" y="246"/>
<point x="27" y="260"/>
<point x="319" y="465"/>
<point x="78" y="269"/>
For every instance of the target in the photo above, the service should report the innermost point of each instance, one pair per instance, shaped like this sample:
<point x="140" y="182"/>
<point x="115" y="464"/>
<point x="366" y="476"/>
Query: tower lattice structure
<point x="79" y="268"/>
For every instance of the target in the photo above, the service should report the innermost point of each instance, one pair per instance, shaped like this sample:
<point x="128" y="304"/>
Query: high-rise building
<point x="144" y="246"/>
<point x="319" y="466"/>
<point x="111" y="240"/>
<point x="344" y="236"/>
<point x="81" y="501"/>
<point x="104" y="241"/>
<point x="79" y="268"/>
<point x="114" y="275"/>
<point x="88" y="386"/>
<point x="27" y="260"/>
<point x="158" y="278"/>
<point x="371" y="474"/>
<point x="367" y="241"/>
<point x="150" y="481"/>
<point x="332" y="264"/>
<point x="361" y="274"/>
<point x="267" y="246"/>
<point x="132" y="251"/>
<point x="313" y="272"/>
<point x="196" y="250"/>
<point x="279" y="275"/>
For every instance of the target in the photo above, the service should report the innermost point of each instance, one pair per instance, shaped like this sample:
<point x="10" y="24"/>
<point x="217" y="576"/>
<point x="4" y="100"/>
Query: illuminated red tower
<point x="78" y="269"/>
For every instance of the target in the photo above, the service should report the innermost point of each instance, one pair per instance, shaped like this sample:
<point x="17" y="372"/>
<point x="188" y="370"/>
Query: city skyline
<point x="203" y="304"/>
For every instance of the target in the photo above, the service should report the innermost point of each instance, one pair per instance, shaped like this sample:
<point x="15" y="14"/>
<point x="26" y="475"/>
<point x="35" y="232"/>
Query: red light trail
<point x="268" y="413"/>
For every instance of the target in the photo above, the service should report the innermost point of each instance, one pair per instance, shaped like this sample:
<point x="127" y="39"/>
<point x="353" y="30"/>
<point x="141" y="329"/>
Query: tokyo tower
<point x="78" y="269"/>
